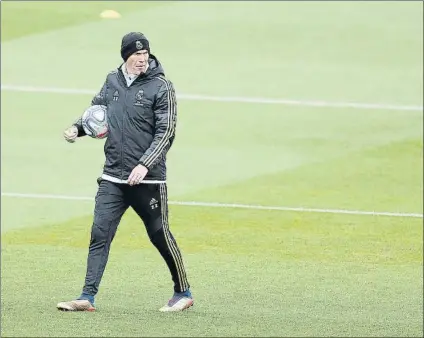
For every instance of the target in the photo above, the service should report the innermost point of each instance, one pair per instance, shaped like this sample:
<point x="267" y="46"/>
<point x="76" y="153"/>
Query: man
<point x="142" y="110"/>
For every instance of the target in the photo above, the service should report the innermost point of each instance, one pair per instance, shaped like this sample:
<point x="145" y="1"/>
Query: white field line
<point x="194" y="97"/>
<point x="227" y="205"/>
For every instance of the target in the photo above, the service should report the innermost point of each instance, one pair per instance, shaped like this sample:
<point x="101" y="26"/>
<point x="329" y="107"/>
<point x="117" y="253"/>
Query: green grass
<point x="273" y="299"/>
<point x="253" y="272"/>
<point x="303" y="145"/>
<point x="292" y="236"/>
<point x="324" y="275"/>
<point x="44" y="16"/>
<point x="357" y="181"/>
<point x="340" y="51"/>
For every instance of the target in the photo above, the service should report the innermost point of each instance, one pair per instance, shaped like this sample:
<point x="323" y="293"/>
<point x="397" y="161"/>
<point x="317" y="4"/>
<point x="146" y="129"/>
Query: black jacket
<point x="141" y="122"/>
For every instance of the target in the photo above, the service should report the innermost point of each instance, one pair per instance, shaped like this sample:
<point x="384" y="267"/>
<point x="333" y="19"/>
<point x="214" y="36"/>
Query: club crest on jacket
<point x="138" y="98"/>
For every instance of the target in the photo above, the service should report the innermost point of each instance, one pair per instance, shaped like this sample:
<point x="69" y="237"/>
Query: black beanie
<point x="133" y="42"/>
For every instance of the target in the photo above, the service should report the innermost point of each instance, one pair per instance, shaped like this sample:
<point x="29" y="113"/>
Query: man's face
<point x="137" y="62"/>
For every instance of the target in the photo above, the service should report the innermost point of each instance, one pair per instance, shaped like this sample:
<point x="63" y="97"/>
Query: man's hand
<point x="137" y="175"/>
<point x="71" y="134"/>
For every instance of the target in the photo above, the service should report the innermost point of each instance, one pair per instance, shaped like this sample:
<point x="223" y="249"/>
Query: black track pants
<point x="150" y="202"/>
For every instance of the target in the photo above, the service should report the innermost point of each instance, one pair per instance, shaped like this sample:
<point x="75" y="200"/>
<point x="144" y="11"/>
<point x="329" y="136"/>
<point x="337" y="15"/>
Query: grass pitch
<point x="253" y="272"/>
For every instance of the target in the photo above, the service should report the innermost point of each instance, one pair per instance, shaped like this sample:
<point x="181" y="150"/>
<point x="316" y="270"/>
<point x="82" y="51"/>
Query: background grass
<point x="253" y="272"/>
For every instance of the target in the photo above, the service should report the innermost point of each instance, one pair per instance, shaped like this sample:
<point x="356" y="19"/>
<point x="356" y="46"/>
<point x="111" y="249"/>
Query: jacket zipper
<point x="122" y="135"/>
<point x="127" y="89"/>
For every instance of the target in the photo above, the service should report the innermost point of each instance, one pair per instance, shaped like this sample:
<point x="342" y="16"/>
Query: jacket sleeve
<point x="98" y="99"/>
<point x="165" y="112"/>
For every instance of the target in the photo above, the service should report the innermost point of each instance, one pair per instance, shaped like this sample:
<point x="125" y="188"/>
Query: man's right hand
<point x="71" y="134"/>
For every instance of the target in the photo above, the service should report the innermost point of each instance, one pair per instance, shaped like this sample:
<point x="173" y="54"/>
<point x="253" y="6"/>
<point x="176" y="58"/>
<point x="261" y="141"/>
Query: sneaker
<point x="76" y="305"/>
<point x="179" y="302"/>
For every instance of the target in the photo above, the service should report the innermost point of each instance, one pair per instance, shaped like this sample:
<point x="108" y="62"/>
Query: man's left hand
<point x="137" y="175"/>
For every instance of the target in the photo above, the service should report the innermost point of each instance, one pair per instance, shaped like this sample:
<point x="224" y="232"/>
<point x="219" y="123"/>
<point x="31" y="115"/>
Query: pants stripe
<point x="175" y="252"/>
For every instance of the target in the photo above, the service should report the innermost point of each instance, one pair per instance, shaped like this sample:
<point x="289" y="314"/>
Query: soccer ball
<point x="94" y="121"/>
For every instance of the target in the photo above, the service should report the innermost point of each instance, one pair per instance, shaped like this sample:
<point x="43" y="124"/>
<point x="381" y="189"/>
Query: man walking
<point x="142" y="111"/>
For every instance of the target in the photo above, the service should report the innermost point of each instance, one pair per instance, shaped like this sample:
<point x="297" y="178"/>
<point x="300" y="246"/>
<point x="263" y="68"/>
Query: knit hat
<point x="133" y="42"/>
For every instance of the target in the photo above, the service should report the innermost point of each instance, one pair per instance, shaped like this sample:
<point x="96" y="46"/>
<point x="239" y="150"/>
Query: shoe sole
<point x="71" y="310"/>
<point x="75" y="307"/>
<point x="189" y="305"/>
